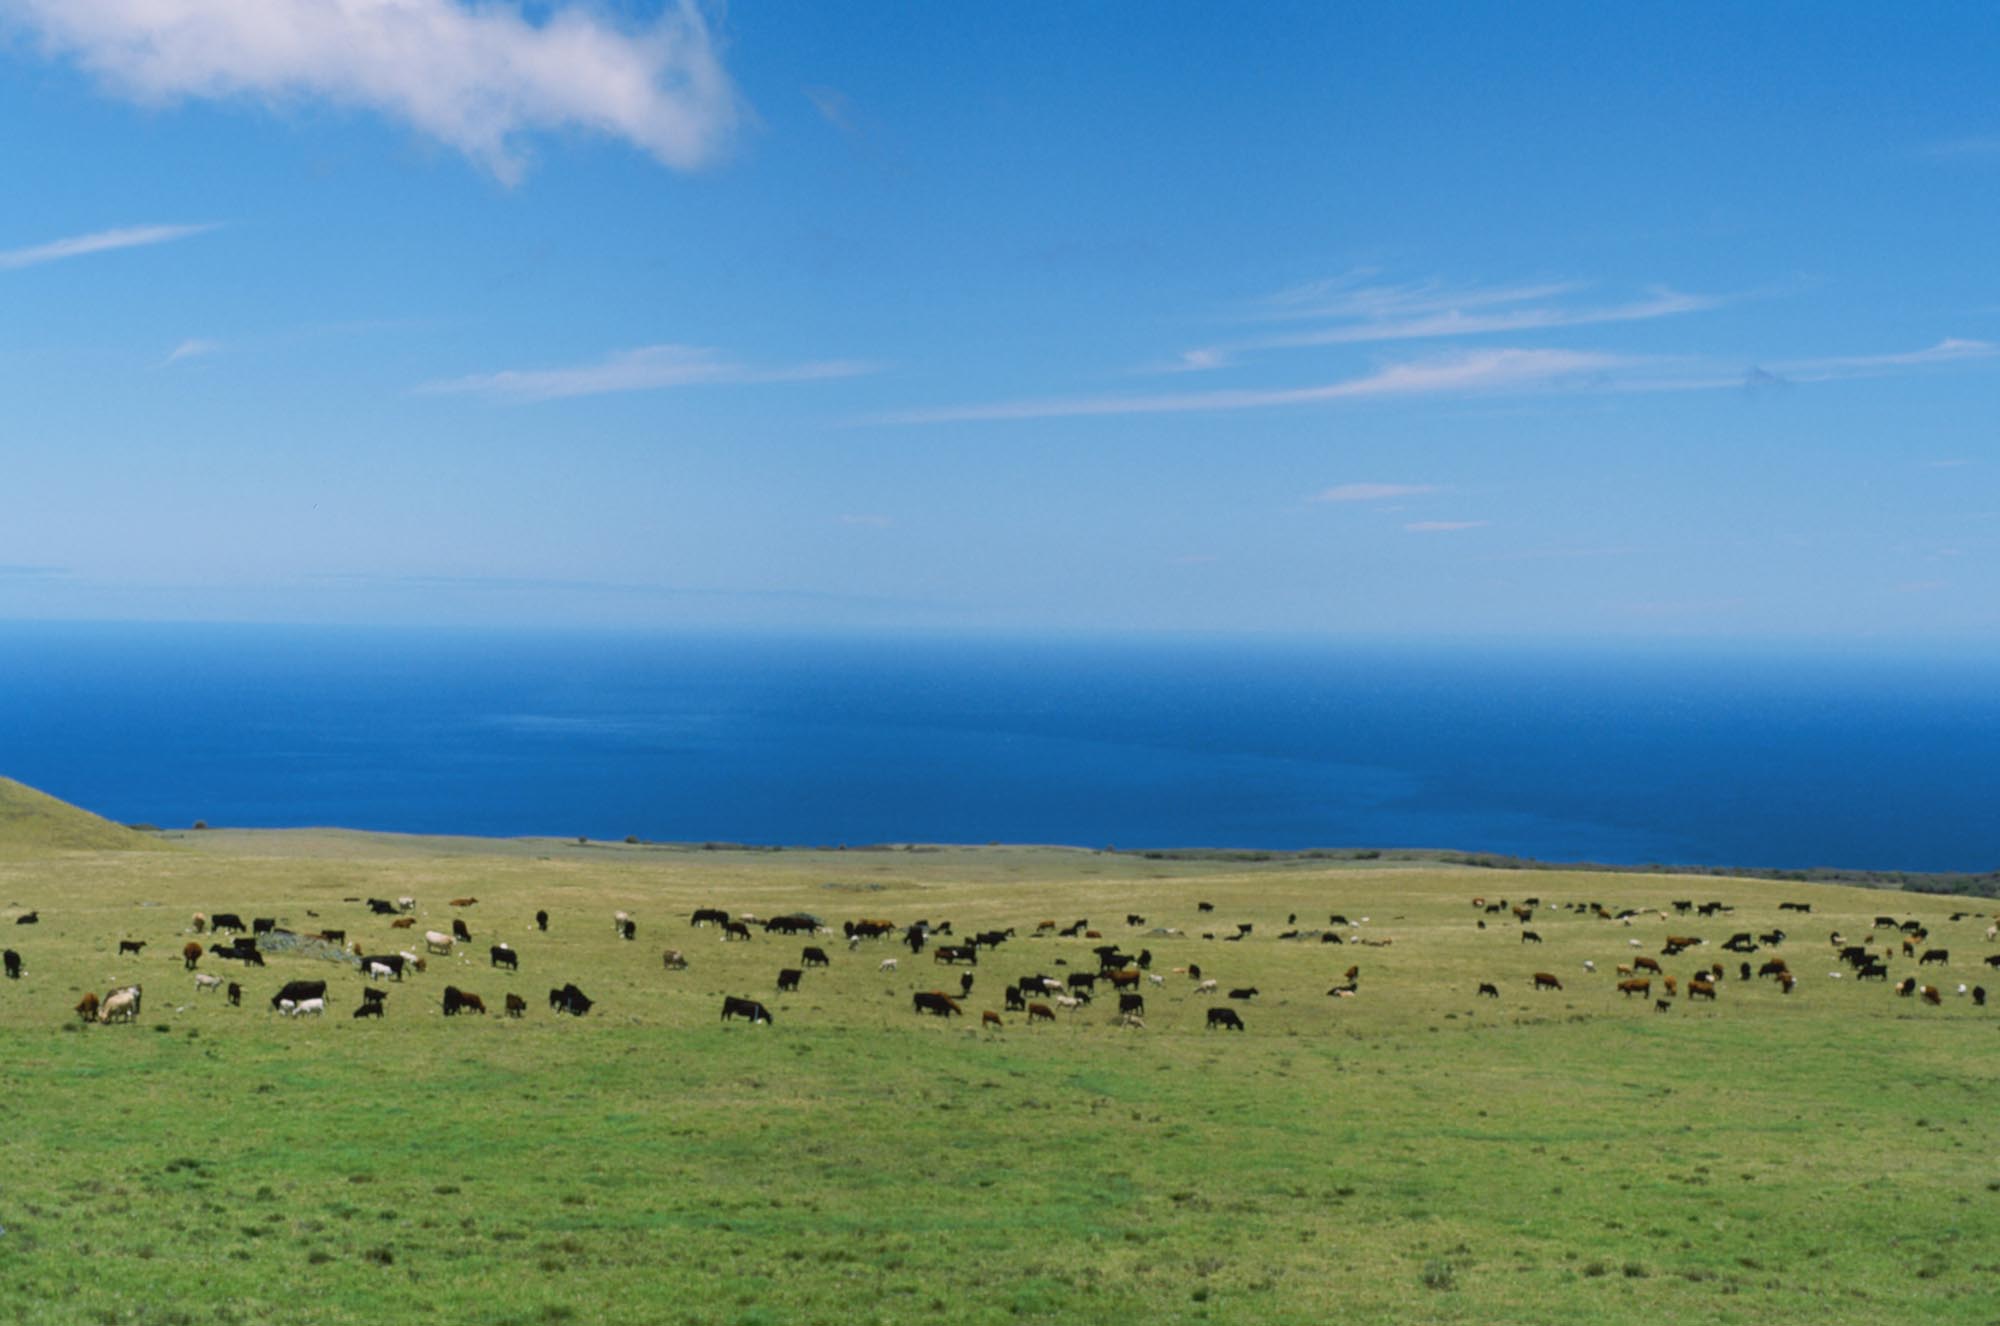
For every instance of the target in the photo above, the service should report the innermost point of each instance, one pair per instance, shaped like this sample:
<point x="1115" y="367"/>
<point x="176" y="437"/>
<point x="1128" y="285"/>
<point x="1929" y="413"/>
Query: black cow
<point x="1133" y="918"/>
<point x="1871" y="970"/>
<point x="1979" y="995"/>
<point x="370" y="1009"/>
<point x="788" y="979"/>
<point x="541" y="920"/>
<point x="28" y="918"/>
<point x="1204" y="906"/>
<point x="263" y="925"/>
<point x="1246" y="992"/>
<point x="1016" y="1001"/>
<point x="1992" y="959"/>
<point x="1489" y="989"/>
<point x="1131" y="1003"/>
<point x="379" y="906"/>
<point x="1081" y="980"/>
<point x="935" y="1001"/>
<point x="1530" y="937"/>
<point x="393" y="961"/>
<point x="459" y="931"/>
<point x="502" y="956"/>
<point x="791" y="925"/>
<point x="226" y="921"/>
<point x="371" y="995"/>
<point x="956" y="953"/>
<point x="704" y="915"/>
<point x="964" y="984"/>
<point x="235" y="995"/>
<point x="13" y="961"/>
<point x="1224" y="1017"/>
<point x="570" y="1000"/>
<point x="1331" y="938"/>
<point x="1937" y="955"/>
<point x="749" y="1008"/>
<point x="1794" y="906"/>
<point x="299" y="991"/>
<point x="457" y="1000"/>
<point x="814" y="957"/>
<point x="628" y="929"/>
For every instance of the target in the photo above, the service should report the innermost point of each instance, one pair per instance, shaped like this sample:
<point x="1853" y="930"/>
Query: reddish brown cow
<point x="191" y="954"/>
<point x="1040" y="1013"/>
<point x="402" y="923"/>
<point x="1128" y="978"/>
<point x="1547" y="981"/>
<point x="463" y="902"/>
<point x="990" y="1019"/>
<point x="86" y="1008"/>
<point x="1669" y="983"/>
<point x="1930" y="994"/>
<point x="1647" y="964"/>
<point x="1638" y="987"/>
<point x="1700" y="989"/>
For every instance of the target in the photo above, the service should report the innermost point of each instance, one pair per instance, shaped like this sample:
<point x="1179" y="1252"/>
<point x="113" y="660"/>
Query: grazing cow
<point x="1016" y="1001"/>
<point x="120" y="1005"/>
<point x="1991" y="959"/>
<point x="735" y="930"/>
<point x="299" y="991"/>
<point x="1204" y="906"/>
<point x="1930" y="994"/>
<point x="455" y="1001"/>
<point x="956" y="953"/>
<point x="1743" y="971"/>
<point x="1125" y="980"/>
<point x="1907" y="986"/>
<point x="541" y="920"/>
<point x="1794" y="906"/>
<point x="733" y="1007"/>
<point x="406" y="904"/>
<point x="370" y="995"/>
<point x="460" y="931"/>
<point x="571" y="1000"/>
<point x="814" y="957"/>
<point x="1244" y="992"/>
<point x="1786" y="981"/>
<point x="86" y="1008"/>
<point x="200" y="924"/>
<point x="204" y="983"/>
<point x="1635" y="987"/>
<point x="887" y="964"/>
<point x="377" y="967"/>
<point x="704" y="915"/>
<point x="1207" y="987"/>
<point x="308" y="1008"/>
<point x="402" y="923"/>
<point x="1670" y="984"/>
<point x="935" y="1001"/>
<point x="964" y="984"/>
<point x="235" y="995"/>
<point x="1662" y="1005"/>
<point x="369" y="1010"/>
<point x="1547" y="981"/>
<point x="1941" y="956"/>
<point x="1775" y="967"/>
<point x="381" y="907"/>
<point x="673" y="960"/>
<point x="788" y="979"/>
<point x="503" y="956"/>
<point x="1490" y="990"/>
<point x="516" y="1005"/>
<point x="1225" y="1018"/>
<point x="13" y="963"/>
<point x="226" y="921"/>
<point x="630" y="930"/>
<point x="1646" y="964"/>
<point x="1132" y="918"/>
<point x="1131" y="1003"/>
<point x="1700" y="989"/>
<point x="1871" y="970"/>
<point x="1979" y="995"/>
<point x="130" y="946"/>
<point x="1040" y="1013"/>
<point x="1530" y="937"/>
<point x="463" y="902"/>
<point x="436" y="941"/>
<point x="990" y="1019"/>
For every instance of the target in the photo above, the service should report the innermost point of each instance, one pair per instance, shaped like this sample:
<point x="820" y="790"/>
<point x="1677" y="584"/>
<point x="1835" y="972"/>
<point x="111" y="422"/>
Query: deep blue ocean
<point x="1755" y="759"/>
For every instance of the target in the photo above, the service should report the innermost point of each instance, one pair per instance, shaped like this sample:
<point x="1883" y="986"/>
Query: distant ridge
<point x="32" y="819"/>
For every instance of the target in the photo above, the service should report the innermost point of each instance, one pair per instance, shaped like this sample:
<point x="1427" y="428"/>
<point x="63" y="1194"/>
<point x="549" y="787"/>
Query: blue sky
<point x="1493" y="321"/>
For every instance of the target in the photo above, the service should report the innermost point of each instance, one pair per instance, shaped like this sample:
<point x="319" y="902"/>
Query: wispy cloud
<point x="1443" y="526"/>
<point x="1475" y="371"/>
<point x="190" y="349"/>
<point x="1371" y="492"/>
<point x="475" y="76"/>
<point x="1349" y="297"/>
<point x="98" y="241"/>
<point x="1948" y="351"/>
<point x="1375" y="314"/>
<point x="648" y="368"/>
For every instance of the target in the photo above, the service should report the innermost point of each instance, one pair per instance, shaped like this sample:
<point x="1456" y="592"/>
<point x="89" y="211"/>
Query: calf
<point x="673" y="960"/>
<point x="1530" y="937"/>
<point x="1244" y="992"/>
<point x="130" y="946"/>
<point x="1490" y="990"/>
<point x="990" y="1019"/>
<point x="86" y="1008"/>
<point x="402" y="923"/>
<point x="1225" y="1018"/>
<point x="369" y="1010"/>
<point x="370" y="995"/>
<point x="204" y="983"/>
<point x="457" y="1001"/>
<point x="1930" y="994"/>
<point x="235" y="993"/>
<point x="516" y="1006"/>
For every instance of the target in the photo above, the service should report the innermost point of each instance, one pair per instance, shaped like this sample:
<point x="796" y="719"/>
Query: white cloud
<point x="98" y="241"/>
<point x="1371" y="492"/>
<point x="1443" y="526"/>
<point x="648" y="368"/>
<point x="474" y="76"/>
<point x="1950" y="350"/>
<point x="1484" y="370"/>
<point x="190" y="349"/>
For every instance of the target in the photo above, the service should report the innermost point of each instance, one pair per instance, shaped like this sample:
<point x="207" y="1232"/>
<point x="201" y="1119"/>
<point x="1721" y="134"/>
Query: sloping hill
<point x="36" y="821"/>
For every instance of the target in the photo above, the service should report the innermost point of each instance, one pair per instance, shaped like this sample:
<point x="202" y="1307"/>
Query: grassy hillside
<point x="32" y="821"/>
<point x="1415" y="1153"/>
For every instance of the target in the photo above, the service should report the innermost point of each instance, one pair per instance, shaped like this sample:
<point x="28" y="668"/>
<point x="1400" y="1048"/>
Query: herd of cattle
<point x="1038" y="995"/>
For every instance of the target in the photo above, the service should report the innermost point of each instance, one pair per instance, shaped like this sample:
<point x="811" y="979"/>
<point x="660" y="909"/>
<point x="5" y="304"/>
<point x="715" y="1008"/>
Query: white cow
<point x="203" y="983"/>
<point x="120" y="1005"/>
<point x="888" y="964"/>
<point x="406" y="904"/>
<point x="436" y="941"/>
<point x="379" y="971"/>
<point x="309" y="1008"/>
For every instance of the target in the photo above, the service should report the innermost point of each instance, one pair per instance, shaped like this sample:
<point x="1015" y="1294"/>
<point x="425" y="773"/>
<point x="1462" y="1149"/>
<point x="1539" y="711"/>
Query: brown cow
<point x="402" y="923"/>
<point x="86" y="1007"/>
<point x="1547" y="981"/>
<point x="463" y="902"/>
<point x="1647" y="964"/>
<point x="1638" y="987"/>
<point x="1700" y="989"/>
<point x="990" y="1019"/>
<point x="1930" y="994"/>
<point x="1123" y="979"/>
<point x="1670" y="984"/>
<point x="515" y="1006"/>
<point x="1040" y="1013"/>
<point x="191" y="954"/>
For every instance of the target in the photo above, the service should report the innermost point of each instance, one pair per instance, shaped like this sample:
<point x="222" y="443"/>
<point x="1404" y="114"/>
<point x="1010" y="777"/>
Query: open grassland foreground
<point x="1412" y="1152"/>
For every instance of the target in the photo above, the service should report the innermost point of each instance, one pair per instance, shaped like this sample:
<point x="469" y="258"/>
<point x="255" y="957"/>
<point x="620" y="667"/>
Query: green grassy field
<point x="1412" y="1154"/>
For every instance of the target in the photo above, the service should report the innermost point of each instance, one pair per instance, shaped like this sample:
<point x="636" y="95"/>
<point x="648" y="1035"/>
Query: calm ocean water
<point x="1776" y="761"/>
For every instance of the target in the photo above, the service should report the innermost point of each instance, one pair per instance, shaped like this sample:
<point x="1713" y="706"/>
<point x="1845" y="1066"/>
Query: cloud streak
<point x="474" y="76"/>
<point x="1470" y="372"/>
<point x="97" y="241"/>
<point x="647" y="368"/>
<point x="1371" y="492"/>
